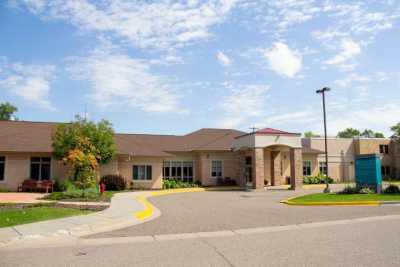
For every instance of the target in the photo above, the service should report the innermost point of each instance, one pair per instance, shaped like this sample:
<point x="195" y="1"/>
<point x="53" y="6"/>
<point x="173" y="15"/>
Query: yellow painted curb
<point x="331" y="203"/>
<point x="148" y="207"/>
<point x="365" y="203"/>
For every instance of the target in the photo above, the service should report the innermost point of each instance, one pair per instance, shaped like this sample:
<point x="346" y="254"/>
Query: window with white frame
<point x="384" y="149"/>
<point x="306" y="168"/>
<point x="216" y="168"/>
<point x="182" y="170"/>
<point x="142" y="172"/>
<point x="2" y="168"/>
<point x="40" y="168"/>
<point x="322" y="167"/>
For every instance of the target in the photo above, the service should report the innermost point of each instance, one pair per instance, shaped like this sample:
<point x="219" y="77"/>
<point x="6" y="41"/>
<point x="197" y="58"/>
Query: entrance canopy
<point x="267" y="137"/>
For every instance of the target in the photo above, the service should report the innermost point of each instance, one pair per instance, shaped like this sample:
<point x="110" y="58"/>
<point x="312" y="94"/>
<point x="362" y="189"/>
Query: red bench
<point x="33" y="185"/>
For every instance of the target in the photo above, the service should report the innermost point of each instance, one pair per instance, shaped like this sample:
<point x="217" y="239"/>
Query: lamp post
<point x="322" y="91"/>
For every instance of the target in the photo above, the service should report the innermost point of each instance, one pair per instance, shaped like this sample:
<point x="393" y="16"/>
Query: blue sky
<point x="175" y="66"/>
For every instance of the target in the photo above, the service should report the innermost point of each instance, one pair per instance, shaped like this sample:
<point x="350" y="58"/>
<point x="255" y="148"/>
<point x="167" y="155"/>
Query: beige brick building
<point x="208" y="156"/>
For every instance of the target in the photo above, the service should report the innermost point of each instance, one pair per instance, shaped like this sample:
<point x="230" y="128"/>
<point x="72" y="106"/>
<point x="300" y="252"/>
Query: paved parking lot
<point x="231" y="210"/>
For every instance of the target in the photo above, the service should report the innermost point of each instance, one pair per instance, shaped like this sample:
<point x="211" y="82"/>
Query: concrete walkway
<point x="122" y="213"/>
<point x="21" y="197"/>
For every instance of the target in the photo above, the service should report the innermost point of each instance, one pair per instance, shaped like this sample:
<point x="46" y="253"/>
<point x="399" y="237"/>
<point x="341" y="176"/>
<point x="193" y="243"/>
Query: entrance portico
<point x="270" y="155"/>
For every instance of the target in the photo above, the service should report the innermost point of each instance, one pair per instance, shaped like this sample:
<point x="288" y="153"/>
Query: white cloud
<point x="283" y="60"/>
<point x="243" y="103"/>
<point x="161" y="24"/>
<point x="30" y="82"/>
<point x="223" y="59"/>
<point x="349" y="50"/>
<point x="116" y="78"/>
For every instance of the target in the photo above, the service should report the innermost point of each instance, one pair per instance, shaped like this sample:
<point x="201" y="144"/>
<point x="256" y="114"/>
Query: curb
<point x="339" y="203"/>
<point x="148" y="210"/>
<point x="332" y="203"/>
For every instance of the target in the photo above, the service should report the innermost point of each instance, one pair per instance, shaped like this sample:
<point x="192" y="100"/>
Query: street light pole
<point x="322" y="91"/>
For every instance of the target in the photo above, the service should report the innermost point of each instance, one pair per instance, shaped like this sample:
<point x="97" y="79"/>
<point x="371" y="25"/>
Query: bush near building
<point x="175" y="183"/>
<point x="319" y="179"/>
<point x="114" y="182"/>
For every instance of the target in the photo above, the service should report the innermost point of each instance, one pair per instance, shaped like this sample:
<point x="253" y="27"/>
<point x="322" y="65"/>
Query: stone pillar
<point x="276" y="168"/>
<point x="258" y="168"/>
<point x="296" y="168"/>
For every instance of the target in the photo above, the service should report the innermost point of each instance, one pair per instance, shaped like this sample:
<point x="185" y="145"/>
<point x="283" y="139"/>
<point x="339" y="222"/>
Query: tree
<point x="310" y="134"/>
<point x="368" y="133"/>
<point x="396" y="129"/>
<point x="7" y="111"/>
<point x="348" y="133"/>
<point x="84" y="145"/>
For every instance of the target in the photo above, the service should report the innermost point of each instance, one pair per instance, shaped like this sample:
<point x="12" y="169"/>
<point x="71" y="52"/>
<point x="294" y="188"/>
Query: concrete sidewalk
<point x="121" y="213"/>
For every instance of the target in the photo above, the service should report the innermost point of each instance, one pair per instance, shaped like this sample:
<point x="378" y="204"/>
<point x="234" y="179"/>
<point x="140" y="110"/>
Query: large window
<point x="322" y="168"/>
<point x="216" y="168"/>
<point x="142" y="172"/>
<point x="385" y="171"/>
<point x="2" y="168"/>
<point x="307" y="168"/>
<point x="40" y="168"/>
<point x="384" y="149"/>
<point x="182" y="170"/>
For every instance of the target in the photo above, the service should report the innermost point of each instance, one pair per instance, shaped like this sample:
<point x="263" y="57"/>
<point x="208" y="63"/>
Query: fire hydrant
<point x="102" y="188"/>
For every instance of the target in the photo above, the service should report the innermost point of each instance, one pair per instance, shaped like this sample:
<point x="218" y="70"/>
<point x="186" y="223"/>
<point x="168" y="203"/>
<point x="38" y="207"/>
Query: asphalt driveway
<point x="232" y="210"/>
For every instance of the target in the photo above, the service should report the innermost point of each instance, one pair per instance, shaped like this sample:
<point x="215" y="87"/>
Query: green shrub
<point x="319" y="179"/>
<point x="176" y="183"/>
<point x="349" y="190"/>
<point x="366" y="190"/>
<point x="392" y="189"/>
<point x="59" y="186"/>
<point x="87" y="194"/>
<point x="4" y="190"/>
<point x="114" y="182"/>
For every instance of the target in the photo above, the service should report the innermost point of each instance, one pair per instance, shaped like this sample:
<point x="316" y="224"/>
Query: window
<point x="307" y="168"/>
<point x="248" y="160"/>
<point x="182" y="170"/>
<point x="2" y="168"/>
<point x="40" y="168"/>
<point x="385" y="171"/>
<point x="384" y="149"/>
<point x="216" y="168"/>
<point x="322" y="168"/>
<point x="142" y="172"/>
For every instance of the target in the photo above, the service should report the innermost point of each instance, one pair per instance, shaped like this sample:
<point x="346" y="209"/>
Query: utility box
<point x="368" y="172"/>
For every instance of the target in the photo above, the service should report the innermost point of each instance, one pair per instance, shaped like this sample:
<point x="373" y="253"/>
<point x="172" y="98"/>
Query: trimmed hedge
<point x="320" y="179"/>
<point x="175" y="183"/>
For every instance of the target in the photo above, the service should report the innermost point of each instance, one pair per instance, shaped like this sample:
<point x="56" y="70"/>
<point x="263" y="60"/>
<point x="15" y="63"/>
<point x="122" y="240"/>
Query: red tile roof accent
<point x="272" y="131"/>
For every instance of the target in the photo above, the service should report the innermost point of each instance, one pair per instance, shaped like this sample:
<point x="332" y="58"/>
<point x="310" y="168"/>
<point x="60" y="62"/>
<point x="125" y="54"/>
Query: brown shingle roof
<point x="23" y="136"/>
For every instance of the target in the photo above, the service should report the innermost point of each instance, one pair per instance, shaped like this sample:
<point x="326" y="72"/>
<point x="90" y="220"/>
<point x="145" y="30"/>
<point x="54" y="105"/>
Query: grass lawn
<point x="15" y="216"/>
<point x="333" y="197"/>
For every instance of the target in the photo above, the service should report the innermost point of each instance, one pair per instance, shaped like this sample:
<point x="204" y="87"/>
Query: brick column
<point x="296" y="168"/>
<point x="258" y="168"/>
<point x="276" y="175"/>
<point x="241" y="179"/>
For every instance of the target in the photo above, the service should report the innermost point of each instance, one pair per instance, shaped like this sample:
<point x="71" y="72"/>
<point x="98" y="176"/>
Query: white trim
<point x="222" y="168"/>
<point x="145" y="172"/>
<point x="5" y="169"/>
<point x="40" y="168"/>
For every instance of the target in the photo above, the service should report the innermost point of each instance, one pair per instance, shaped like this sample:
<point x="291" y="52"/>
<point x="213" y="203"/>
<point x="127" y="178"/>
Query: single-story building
<point x="207" y="155"/>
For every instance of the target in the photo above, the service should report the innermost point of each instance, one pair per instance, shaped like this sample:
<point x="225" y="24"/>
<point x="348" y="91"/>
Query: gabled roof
<point x="209" y="140"/>
<point x="271" y="131"/>
<point x="25" y="136"/>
